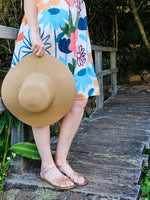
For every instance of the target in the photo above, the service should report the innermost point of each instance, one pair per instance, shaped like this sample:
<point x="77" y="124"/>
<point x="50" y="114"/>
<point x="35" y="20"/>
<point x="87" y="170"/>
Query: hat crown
<point x="37" y="92"/>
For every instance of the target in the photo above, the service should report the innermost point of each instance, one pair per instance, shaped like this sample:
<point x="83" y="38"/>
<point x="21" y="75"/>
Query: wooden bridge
<point x="108" y="148"/>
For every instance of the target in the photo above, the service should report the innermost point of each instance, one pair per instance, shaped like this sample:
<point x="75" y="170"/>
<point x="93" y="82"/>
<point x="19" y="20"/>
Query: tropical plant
<point x="6" y="157"/>
<point x="26" y="149"/>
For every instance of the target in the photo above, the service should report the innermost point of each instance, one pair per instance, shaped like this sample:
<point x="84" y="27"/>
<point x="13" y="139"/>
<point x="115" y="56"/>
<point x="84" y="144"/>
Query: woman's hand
<point x="37" y="44"/>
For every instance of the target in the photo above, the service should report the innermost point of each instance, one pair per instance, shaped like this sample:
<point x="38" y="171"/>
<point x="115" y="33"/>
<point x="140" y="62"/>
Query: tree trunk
<point x="140" y="25"/>
<point x="116" y="27"/>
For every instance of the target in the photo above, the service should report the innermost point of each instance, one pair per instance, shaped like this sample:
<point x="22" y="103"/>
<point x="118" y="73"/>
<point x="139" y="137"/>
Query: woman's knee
<point x="80" y="104"/>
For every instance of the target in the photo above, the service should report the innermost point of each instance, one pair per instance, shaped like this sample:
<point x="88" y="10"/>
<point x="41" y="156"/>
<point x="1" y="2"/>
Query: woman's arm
<point x="30" y="9"/>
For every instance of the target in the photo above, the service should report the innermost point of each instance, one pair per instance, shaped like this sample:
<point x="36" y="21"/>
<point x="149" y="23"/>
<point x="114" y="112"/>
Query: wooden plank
<point x="107" y="160"/>
<point x="8" y="32"/>
<point x="101" y="48"/>
<point x="102" y="189"/>
<point x="17" y="136"/>
<point x="106" y="72"/>
<point x="109" y="152"/>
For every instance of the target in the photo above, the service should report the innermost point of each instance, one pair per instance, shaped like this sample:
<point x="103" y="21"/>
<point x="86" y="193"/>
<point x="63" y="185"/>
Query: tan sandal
<point x="58" y="180"/>
<point x="72" y="174"/>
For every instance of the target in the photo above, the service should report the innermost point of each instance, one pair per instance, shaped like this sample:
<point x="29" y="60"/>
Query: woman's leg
<point x="68" y="129"/>
<point x="42" y="140"/>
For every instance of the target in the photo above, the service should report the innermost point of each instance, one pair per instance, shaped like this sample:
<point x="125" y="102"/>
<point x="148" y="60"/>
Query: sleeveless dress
<point x="63" y="30"/>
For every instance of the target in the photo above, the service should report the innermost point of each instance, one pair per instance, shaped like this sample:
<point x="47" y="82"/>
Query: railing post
<point x="99" y="70"/>
<point x="114" y="74"/>
<point x="17" y="136"/>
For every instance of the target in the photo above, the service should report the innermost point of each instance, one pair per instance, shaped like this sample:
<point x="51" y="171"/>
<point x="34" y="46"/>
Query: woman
<point x="59" y="28"/>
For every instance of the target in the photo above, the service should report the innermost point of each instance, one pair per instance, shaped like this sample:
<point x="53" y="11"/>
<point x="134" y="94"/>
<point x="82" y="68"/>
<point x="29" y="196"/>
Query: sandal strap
<point x="60" y="180"/>
<point x="70" y="175"/>
<point x="48" y="168"/>
<point x="62" y="166"/>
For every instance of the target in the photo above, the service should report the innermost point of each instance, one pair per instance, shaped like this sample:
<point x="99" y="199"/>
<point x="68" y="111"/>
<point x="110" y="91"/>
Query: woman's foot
<point x="55" y="178"/>
<point x="77" y="178"/>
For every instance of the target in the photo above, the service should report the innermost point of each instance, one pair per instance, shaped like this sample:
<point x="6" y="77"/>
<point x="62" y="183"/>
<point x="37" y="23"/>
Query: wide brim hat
<point x="39" y="90"/>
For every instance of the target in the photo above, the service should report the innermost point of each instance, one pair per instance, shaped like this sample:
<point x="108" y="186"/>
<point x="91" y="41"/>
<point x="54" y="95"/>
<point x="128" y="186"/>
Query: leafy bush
<point x="145" y="184"/>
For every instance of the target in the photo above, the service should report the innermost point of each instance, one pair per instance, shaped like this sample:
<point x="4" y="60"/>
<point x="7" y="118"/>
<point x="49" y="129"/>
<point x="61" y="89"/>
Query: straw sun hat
<point x="39" y="90"/>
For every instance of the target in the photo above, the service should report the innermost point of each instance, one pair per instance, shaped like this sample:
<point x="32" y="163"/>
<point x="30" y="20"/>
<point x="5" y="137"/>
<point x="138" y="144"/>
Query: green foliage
<point x="145" y="184"/>
<point x="26" y="149"/>
<point x="6" y="157"/>
<point x="11" y="12"/>
<point x="4" y="168"/>
<point x="72" y="66"/>
<point x="4" y="124"/>
<point x="132" y="56"/>
<point x="54" y="129"/>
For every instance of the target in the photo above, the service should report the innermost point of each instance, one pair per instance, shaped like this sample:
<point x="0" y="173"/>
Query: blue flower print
<point x="54" y="17"/>
<point x="90" y="92"/>
<point x="45" y="42"/>
<point x="82" y="23"/>
<point x="15" y="59"/>
<point x="82" y="79"/>
<point x="90" y="71"/>
<point x="64" y="45"/>
<point x="26" y="49"/>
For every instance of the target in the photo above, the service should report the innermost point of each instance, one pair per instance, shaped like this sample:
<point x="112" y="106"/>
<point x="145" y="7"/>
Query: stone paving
<point x="108" y="148"/>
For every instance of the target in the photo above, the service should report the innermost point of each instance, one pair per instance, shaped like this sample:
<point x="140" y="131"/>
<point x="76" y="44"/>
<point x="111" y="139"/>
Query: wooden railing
<point x="19" y="136"/>
<point x="8" y="32"/>
<point x="98" y="51"/>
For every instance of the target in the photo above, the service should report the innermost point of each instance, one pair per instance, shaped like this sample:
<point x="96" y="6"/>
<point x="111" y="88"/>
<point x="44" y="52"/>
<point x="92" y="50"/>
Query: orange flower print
<point x="20" y="37"/>
<point x="98" y="93"/>
<point x="88" y="34"/>
<point x="54" y="2"/>
<point x="96" y="83"/>
<point x="24" y="21"/>
<point x="43" y="5"/>
<point x="67" y="1"/>
<point x="80" y="96"/>
<point x="90" y="59"/>
<point x="46" y="4"/>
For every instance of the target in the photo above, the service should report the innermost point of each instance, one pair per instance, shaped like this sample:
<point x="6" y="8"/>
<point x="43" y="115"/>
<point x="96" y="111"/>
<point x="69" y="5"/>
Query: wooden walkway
<point x="108" y="149"/>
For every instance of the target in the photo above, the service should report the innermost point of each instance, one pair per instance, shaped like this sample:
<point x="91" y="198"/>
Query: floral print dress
<point x="64" y="32"/>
